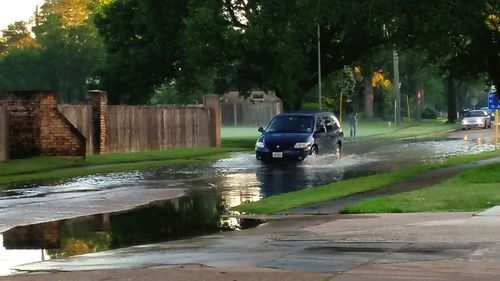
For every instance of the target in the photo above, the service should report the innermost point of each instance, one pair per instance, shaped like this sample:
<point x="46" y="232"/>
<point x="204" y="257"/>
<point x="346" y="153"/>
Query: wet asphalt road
<point x="235" y="179"/>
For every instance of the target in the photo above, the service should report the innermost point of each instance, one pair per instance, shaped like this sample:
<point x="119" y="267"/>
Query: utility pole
<point x="37" y="19"/>
<point x="397" y="94"/>
<point x="319" y="68"/>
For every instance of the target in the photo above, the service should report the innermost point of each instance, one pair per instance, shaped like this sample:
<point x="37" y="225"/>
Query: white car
<point x="476" y="119"/>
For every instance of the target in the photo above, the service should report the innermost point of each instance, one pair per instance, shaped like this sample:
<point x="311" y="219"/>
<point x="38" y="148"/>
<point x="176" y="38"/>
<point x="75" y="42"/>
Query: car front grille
<point x="279" y="146"/>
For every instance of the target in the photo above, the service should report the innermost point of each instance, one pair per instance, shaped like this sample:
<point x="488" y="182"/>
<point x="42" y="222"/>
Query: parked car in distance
<point x="476" y="119"/>
<point x="296" y="135"/>
<point x="491" y="112"/>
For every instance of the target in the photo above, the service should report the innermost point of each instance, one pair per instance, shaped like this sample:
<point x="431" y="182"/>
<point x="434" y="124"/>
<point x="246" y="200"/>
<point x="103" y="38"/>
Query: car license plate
<point x="277" y="154"/>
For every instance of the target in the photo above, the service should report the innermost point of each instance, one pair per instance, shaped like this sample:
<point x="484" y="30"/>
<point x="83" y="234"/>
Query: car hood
<point x="285" y="138"/>
<point x="472" y="119"/>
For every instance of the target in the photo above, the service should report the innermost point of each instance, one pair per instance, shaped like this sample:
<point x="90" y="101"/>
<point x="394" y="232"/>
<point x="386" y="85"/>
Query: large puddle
<point x="198" y="213"/>
<point x="211" y="191"/>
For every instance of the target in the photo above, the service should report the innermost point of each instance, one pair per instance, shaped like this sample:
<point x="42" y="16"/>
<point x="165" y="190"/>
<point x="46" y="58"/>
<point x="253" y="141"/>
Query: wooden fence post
<point x="212" y="103"/>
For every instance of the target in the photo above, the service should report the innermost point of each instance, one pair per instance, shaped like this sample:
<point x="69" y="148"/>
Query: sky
<point x="16" y="10"/>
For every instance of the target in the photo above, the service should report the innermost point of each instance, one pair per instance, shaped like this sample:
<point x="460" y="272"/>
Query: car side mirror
<point x="260" y="129"/>
<point x="320" y="130"/>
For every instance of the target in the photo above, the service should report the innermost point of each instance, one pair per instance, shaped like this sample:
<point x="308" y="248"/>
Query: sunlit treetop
<point x="380" y="79"/>
<point x="492" y="16"/>
<point x="72" y="12"/>
<point x="493" y="22"/>
<point x="17" y="35"/>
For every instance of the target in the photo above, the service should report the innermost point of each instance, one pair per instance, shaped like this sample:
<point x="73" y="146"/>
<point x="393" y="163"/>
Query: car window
<point x="475" y="113"/>
<point x="291" y="124"/>
<point x="489" y="111"/>
<point x="329" y="123"/>
<point x="337" y="123"/>
<point x="320" y="125"/>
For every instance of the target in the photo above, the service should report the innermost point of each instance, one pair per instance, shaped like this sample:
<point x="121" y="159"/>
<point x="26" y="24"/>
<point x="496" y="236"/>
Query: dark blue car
<point x="297" y="135"/>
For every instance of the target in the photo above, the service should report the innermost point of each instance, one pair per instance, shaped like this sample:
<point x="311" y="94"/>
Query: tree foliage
<point x="17" y="35"/>
<point x="142" y="41"/>
<point x="179" y="50"/>
<point x="65" y="54"/>
<point x="462" y="37"/>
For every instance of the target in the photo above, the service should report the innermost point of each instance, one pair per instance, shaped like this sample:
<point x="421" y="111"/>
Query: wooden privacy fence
<point x="125" y="128"/>
<point x="145" y="128"/>
<point x="249" y="114"/>
<point x="32" y="123"/>
<point x="81" y="117"/>
<point x="4" y="132"/>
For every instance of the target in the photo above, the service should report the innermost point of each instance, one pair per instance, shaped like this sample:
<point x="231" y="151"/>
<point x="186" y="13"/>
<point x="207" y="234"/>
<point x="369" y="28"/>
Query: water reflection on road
<point x="211" y="190"/>
<point x="241" y="177"/>
<point x="198" y="213"/>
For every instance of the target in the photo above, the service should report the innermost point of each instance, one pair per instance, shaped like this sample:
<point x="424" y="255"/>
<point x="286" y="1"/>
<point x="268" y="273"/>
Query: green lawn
<point x="380" y="129"/>
<point x="473" y="190"/>
<point x="239" y="137"/>
<point x="47" y="168"/>
<point x="340" y="189"/>
<point x="239" y="132"/>
<point x="366" y="129"/>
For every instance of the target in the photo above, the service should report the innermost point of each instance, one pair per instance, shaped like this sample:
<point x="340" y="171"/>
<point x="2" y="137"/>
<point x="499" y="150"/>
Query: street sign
<point x="493" y="101"/>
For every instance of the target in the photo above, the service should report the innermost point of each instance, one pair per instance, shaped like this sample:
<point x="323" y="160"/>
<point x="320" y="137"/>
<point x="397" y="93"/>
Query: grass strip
<point x="170" y="154"/>
<point x="36" y="165"/>
<point x="68" y="168"/>
<point x="348" y="187"/>
<point x="46" y="164"/>
<point x="77" y="172"/>
<point x="473" y="190"/>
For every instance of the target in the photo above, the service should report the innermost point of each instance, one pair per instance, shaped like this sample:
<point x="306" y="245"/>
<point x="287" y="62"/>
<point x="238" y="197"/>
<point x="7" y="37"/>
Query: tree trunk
<point x="491" y="57"/>
<point x="368" y="98"/>
<point x="452" y="101"/>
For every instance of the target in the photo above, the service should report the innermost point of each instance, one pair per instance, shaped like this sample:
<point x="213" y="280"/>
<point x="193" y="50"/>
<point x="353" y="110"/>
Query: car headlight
<point x="259" y="144"/>
<point x="303" y="145"/>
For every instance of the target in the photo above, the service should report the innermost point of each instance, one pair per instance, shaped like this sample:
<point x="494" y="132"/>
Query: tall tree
<point x="142" y="40"/>
<point x="17" y="35"/>
<point x="64" y="57"/>
<point x="461" y="36"/>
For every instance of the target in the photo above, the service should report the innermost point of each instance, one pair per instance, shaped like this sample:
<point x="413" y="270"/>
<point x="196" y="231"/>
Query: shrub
<point x="429" y="113"/>
<point x="310" y="106"/>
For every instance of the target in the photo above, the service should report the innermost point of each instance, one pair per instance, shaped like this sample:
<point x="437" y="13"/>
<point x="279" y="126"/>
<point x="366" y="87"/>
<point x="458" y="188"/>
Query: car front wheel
<point x="314" y="150"/>
<point x="338" y="150"/>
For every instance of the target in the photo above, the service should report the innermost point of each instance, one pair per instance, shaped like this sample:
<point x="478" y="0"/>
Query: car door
<point x="332" y="131"/>
<point x="320" y="135"/>
<point x="487" y="117"/>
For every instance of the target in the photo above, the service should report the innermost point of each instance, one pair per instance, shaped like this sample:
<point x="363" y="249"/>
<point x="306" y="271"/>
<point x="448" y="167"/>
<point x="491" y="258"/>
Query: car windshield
<point x="291" y="124"/>
<point x="489" y="111"/>
<point x="474" y="113"/>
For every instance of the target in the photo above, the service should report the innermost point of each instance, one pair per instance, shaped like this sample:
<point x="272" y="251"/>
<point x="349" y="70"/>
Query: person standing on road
<point x="353" y="121"/>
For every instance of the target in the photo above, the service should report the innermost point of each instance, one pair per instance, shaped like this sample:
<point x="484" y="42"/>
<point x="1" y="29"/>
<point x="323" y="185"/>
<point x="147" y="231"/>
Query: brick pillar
<point x="99" y="102"/>
<point x="4" y="132"/>
<point x="212" y="103"/>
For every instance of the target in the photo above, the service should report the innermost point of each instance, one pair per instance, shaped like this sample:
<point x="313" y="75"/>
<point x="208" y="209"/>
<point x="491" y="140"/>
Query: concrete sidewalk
<point x="177" y="273"/>
<point x="420" y="246"/>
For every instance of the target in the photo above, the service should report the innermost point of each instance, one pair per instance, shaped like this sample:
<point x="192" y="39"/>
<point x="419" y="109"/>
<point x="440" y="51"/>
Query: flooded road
<point x="211" y="189"/>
